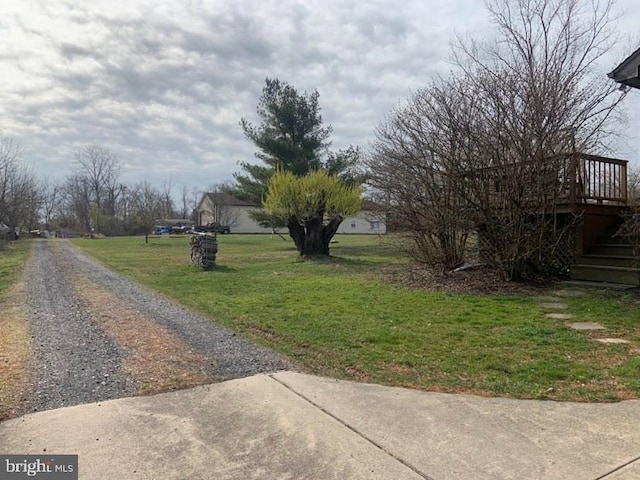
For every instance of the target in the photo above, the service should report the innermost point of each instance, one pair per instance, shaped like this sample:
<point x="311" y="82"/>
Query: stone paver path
<point x="586" y="326"/>
<point x="559" y="316"/>
<point x="568" y="293"/>
<point x="553" y="302"/>
<point x="554" y="306"/>
<point x="547" y="299"/>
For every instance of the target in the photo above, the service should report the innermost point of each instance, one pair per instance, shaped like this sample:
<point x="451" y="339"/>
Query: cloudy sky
<point x="163" y="83"/>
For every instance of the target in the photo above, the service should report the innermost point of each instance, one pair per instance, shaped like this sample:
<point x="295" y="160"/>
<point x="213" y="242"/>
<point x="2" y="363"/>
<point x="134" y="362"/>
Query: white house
<point x="370" y="220"/>
<point x="226" y="209"/>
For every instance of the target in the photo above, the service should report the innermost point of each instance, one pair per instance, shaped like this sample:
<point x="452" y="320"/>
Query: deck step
<point x="602" y="273"/>
<point x="613" y="239"/>
<point x="606" y="260"/>
<point x="613" y="249"/>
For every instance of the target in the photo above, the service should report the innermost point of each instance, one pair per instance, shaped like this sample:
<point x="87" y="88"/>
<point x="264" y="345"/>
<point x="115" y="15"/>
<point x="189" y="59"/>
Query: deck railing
<point x="569" y="179"/>
<point x="595" y="179"/>
<point x="564" y="179"/>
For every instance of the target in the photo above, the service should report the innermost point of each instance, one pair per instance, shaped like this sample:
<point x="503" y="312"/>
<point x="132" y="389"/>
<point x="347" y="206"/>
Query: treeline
<point x="92" y="198"/>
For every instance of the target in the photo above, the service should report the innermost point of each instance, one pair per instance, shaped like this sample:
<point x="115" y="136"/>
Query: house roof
<point x="221" y="198"/>
<point x="372" y="206"/>
<point x="628" y="72"/>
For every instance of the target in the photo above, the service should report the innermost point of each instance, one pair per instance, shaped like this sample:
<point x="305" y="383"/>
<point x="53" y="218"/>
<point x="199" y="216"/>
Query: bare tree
<point x="412" y="173"/>
<point x="196" y="195"/>
<point x="168" y="206"/>
<point x="147" y="205"/>
<point x="185" y="202"/>
<point x="10" y="153"/>
<point x="98" y="170"/>
<point x="540" y="78"/>
<point x="633" y="186"/>
<point x="541" y="97"/>
<point x="50" y="192"/>
<point x="73" y="209"/>
<point x="489" y="144"/>
<point x="19" y="196"/>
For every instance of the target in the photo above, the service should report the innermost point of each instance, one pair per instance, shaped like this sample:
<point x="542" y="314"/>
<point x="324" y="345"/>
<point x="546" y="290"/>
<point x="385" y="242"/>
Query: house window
<point x="353" y="224"/>
<point x="374" y="225"/>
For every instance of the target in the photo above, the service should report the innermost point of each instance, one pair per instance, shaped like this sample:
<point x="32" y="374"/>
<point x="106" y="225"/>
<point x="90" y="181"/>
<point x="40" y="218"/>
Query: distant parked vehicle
<point x="163" y="230"/>
<point x="181" y="228"/>
<point x="213" y="228"/>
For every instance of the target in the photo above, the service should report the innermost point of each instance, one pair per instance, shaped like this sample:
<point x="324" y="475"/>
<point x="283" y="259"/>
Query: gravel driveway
<point x="97" y="335"/>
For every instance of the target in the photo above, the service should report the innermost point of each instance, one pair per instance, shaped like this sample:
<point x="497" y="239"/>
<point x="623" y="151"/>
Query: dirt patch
<point x="603" y="390"/>
<point x="399" y="368"/>
<point x="15" y="352"/>
<point x="158" y="359"/>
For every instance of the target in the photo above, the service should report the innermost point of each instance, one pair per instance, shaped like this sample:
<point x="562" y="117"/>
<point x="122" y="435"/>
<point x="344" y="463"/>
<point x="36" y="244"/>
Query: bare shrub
<point x="490" y="147"/>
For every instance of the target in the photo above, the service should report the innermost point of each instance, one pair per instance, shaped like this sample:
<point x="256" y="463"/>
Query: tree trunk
<point x="296" y="232"/>
<point x="330" y="230"/>
<point x="314" y="238"/>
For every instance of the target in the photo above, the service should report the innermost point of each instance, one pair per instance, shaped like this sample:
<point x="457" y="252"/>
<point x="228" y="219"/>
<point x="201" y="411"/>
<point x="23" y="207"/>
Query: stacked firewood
<point x="204" y="247"/>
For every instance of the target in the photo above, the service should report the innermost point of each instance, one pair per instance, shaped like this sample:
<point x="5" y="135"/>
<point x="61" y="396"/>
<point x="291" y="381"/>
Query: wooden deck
<point x="588" y="188"/>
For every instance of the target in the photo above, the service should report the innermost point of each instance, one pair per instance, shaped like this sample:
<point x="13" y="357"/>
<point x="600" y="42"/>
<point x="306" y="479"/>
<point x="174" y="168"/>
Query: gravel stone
<point x="76" y="362"/>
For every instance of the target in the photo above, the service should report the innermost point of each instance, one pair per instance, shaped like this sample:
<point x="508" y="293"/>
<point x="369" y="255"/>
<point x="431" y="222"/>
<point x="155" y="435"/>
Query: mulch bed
<point x="480" y="280"/>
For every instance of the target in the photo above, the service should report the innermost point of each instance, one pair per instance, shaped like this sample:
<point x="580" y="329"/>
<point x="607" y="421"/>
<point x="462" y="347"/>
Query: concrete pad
<point x="462" y="437"/>
<point x="628" y="472"/>
<point x="553" y="306"/>
<point x="559" y="316"/>
<point x="291" y="426"/>
<point x="600" y="285"/>
<point x="586" y="326"/>
<point x="253" y="428"/>
<point x="611" y="341"/>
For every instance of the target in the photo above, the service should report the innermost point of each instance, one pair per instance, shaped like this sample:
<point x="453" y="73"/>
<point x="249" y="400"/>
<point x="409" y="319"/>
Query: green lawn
<point x="13" y="256"/>
<point x="341" y="318"/>
<point x="15" y="338"/>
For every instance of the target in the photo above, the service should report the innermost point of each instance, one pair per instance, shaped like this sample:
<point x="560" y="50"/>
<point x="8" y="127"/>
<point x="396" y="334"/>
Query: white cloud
<point x="163" y="84"/>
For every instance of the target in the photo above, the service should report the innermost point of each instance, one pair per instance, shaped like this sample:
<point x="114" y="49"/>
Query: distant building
<point x="370" y="220"/>
<point x="225" y="209"/>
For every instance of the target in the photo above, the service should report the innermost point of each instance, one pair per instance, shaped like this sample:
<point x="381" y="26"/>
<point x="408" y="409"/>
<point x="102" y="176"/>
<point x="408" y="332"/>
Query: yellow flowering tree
<point x="313" y="205"/>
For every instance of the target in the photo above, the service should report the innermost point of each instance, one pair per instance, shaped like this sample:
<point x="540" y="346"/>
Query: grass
<point x="12" y="259"/>
<point x="340" y="318"/>
<point x="15" y="351"/>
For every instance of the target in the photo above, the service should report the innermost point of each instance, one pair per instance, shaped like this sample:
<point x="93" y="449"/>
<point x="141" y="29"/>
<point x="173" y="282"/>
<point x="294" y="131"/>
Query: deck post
<point x="624" y="186"/>
<point x="573" y="175"/>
